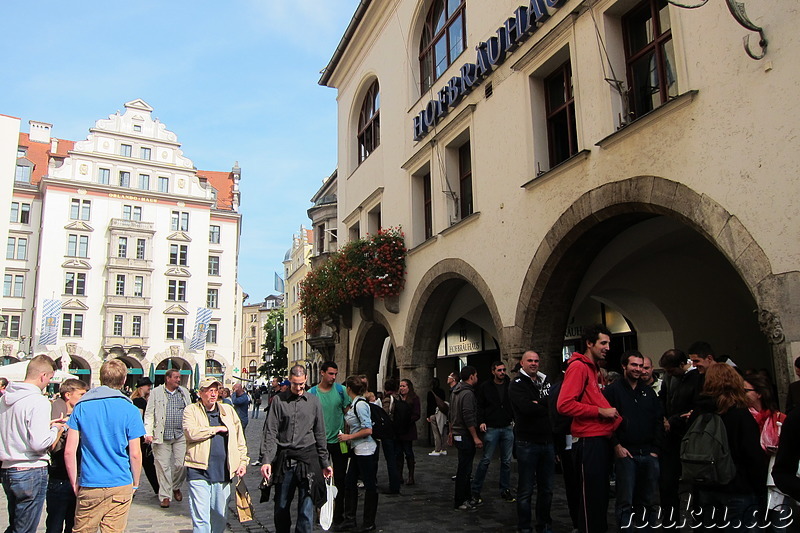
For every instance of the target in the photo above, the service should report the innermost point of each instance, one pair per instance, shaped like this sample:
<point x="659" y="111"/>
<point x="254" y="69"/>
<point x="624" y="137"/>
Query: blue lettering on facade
<point x="490" y="54"/>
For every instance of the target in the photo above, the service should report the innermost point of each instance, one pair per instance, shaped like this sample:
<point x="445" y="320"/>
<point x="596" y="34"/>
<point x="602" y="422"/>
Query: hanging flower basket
<point x="366" y="268"/>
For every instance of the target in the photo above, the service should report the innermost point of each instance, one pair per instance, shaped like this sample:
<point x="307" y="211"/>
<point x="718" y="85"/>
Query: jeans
<point x="637" y="492"/>
<point x="208" y="505"/>
<point x="305" y="507"/>
<point x="503" y="437"/>
<point x="721" y="511"/>
<point x="25" y="491"/>
<point x="536" y="463"/>
<point x="60" y="506"/>
<point x="466" y="454"/>
<point x="256" y="409"/>
<point x="391" y="464"/>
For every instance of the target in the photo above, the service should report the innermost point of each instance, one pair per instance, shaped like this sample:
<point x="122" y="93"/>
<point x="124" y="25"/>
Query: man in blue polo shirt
<point x="107" y="426"/>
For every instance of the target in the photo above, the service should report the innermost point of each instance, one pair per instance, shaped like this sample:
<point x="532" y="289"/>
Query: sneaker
<point x="475" y="501"/>
<point x="507" y="496"/>
<point x="434" y="453"/>
<point x="467" y="506"/>
<point x="443" y="452"/>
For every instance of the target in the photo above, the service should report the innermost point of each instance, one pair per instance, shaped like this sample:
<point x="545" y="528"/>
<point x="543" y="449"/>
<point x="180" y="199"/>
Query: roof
<point x="223" y="183"/>
<point x="358" y="16"/>
<point x="39" y="154"/>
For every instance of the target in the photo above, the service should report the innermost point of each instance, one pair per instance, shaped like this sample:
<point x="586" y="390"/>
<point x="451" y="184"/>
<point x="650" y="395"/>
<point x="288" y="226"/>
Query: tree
<point x="275" y="355"/>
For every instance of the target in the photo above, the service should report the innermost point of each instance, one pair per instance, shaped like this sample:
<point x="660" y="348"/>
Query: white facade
<point x="132" y="240"/>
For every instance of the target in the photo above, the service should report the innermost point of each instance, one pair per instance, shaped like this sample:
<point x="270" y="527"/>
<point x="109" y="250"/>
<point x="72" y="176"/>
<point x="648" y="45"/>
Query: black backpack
<point x="705" y="453"/>
<point x="401" y="416"/>
<point x="381" y="423"/>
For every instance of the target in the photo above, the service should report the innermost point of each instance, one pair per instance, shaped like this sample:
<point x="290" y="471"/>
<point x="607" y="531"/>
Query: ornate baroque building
<point x="556" y="163"/>
<point x="118" y="247"/>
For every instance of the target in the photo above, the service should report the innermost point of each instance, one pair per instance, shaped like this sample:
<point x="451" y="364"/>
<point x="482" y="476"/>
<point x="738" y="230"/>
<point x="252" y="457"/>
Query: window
<point x="213" y="234"/>
<point x="122" y="247"/>
<point x="178" y="254"/>
<point x="104" y="176"/>
<point x="117" y="326"/>
<point x="75" y="284"/>
<point x="23" y="173"/>
<point x="144" y="153"/>
<point x="176" y="290"/>
<point x="163" y="184"/>
<point x="80" y="209"/>
<point x="427" y="205"/>
<point x="369" y="123"/>
<point x="211" y="334"/>
<point x="649" y="57"/>
<point x="138" y="286"/>
<point x="125" y="150"/>
<point x="179" y="221"/>
<point x="136" y="326"/>
<point x="20" y="212"/>
<point x="175" y="328"/>
<point x="132" y="212"/>
<point x="9" y="326"/>
<point x="444" y="37"/>
<point x="252" y="331"/>
<point x="14" y="285"/>
<point x="213" y="265"/>
<point x="144" y="182"/>
<point x="140" y="248"/>
<point x="252" y="346"/>
<point x="465" y="180"/>
<point x="22" y="151"/>
<point x="253" y="368"/>
<point x="71" y="325"/>
<point x="212" y="299"/>
<point x="124" y="179"/>
<point x="137" y="128"/>
<point x="119" y="288"/>
<point x="17" y="248"/>
<point x="562" y="137"/>
<point x="77" y="245"/>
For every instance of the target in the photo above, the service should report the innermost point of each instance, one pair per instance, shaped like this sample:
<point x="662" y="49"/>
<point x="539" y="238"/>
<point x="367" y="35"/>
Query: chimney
<point x="40" y="131"/>
<point x="53" y="145"/>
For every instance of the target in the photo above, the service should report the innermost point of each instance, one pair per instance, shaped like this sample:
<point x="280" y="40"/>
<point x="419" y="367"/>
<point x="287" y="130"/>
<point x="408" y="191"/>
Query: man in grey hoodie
<point x="464" y="433"/>
<point x="25" y="440"/>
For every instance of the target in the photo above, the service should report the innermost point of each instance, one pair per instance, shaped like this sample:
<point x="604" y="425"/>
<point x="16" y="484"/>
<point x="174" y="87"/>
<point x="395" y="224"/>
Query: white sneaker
<point x="434" y="453"/>
<point x="443" y="452"/>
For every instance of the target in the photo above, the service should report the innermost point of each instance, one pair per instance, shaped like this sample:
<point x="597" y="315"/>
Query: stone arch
<point x="369" y="339"/>
<point x="86" y="358"/>
<point x="584" y="229"/>
<point x="432" y="299"/>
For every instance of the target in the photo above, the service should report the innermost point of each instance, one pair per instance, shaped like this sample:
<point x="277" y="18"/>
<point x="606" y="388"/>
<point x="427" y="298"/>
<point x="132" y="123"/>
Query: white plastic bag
<point x="326" y="512"/>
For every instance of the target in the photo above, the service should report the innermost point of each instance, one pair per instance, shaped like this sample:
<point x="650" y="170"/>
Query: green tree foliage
<point x="275" y="355"/>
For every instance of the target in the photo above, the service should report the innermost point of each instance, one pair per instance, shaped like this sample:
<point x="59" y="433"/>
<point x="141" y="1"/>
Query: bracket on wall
<point x="740" y="15"/>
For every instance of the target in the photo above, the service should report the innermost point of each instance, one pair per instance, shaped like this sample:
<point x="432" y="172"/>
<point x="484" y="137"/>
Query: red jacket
<point x="581" y="397"/>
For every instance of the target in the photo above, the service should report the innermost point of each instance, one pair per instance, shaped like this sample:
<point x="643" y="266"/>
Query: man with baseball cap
<point x="216" y="452"/>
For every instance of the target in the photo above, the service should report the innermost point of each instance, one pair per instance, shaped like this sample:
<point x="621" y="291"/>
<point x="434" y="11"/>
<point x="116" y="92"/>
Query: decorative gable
<point x="178" y="272"/>
<point x="79" y="225"/>
<point x="176" y="310"/>
<point x="76" y="263"/>
<point x="180" y="236"/>
<point x="75" y="304"/>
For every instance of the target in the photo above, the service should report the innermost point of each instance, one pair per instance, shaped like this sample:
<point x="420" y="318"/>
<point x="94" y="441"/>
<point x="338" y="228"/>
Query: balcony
<point x="127" y="343"/>
<point x="141" y="302"/>
<point x="131" y="225"/>
<point x="130" y="263"/>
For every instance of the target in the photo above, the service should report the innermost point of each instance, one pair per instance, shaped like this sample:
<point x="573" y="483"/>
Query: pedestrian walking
<point x="139" y="398"/>
<point x="464" y="434"/>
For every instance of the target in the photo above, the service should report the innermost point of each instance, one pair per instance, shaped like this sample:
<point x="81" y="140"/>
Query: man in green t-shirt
<point x="334" y="402"/>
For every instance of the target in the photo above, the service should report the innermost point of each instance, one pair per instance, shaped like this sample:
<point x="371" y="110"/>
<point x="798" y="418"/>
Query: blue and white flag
<point x="51" y="312"/>
<point x="200" y="328"/>
<point x="280" y="286"/>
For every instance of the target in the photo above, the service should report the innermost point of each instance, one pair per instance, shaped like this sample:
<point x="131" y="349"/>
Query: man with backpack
<point x="334" y="402"/>
<point x="528" y="394"/>
<point x="637" y="444"/>
<point x="593" y="423"/>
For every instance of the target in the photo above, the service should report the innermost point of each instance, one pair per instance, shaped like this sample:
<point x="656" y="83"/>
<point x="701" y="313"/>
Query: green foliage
<point x="275" y="356"/>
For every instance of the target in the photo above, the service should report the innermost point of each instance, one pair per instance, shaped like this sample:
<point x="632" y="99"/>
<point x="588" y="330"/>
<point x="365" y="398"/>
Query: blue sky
<point x="235" y="80"/>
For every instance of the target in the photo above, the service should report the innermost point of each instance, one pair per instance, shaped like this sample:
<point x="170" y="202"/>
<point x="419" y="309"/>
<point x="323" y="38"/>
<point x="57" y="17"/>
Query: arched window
<point x="369" y="122"/>
<point x="444" y="37"/>
<point x="252" y="368"/>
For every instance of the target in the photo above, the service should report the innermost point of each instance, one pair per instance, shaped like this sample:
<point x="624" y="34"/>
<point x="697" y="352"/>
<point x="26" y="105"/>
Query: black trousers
<point x="593" y="460"/>
<point x="339" y="464"/>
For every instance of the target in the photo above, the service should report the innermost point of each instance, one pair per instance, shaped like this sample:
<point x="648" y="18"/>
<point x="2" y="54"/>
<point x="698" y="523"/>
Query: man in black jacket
<point x="494" y="417"/>
<point x="528" y="394"/>
<point x="637" y="444"/>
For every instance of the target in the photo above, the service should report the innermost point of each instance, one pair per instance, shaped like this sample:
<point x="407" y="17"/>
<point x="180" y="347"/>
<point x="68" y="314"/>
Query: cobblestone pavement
<point x="428" y="505"/>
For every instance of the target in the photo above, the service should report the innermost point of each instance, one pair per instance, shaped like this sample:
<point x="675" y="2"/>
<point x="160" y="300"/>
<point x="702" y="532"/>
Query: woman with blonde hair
<point x="733" y="504"/>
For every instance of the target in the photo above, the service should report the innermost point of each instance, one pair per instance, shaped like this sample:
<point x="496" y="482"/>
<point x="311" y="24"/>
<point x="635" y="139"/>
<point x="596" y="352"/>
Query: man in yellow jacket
<point x="216" y="452"/>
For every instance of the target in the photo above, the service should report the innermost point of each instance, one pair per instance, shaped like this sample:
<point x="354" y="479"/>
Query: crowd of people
<point x="706" y="446"/>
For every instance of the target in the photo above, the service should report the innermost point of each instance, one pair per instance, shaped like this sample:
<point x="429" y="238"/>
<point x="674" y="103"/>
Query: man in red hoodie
<point x="593" y="423"/>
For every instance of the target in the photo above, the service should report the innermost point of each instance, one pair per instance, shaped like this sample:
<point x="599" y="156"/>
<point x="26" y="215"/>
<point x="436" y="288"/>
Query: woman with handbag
<point x="363" y="462"/>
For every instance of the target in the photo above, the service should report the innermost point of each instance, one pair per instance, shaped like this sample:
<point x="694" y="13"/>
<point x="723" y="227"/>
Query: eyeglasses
<point x="749" y="390"/>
